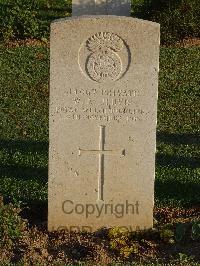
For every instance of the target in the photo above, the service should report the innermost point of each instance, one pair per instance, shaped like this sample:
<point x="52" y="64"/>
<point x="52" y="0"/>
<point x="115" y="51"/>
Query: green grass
<point x="21" y="19"/>
<point x="24" y="124"/>
<point x="178" y="136"/>
<point x="24" y="78"/>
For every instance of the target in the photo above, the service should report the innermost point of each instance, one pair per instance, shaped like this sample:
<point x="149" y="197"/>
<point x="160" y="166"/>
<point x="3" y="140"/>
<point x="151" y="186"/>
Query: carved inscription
<point x="117" y="105"/>
<point x="102" y="152"/>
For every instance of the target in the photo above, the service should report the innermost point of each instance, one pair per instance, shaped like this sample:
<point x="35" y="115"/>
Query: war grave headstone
<point x="103" y="113"/>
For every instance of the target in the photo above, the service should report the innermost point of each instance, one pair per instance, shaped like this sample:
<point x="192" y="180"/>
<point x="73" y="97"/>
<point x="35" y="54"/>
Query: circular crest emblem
<point x="103" y="62"/>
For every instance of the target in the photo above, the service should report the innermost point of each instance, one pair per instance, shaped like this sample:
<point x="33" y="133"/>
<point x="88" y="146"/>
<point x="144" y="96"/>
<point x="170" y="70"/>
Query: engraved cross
<point x="102" y="152"/>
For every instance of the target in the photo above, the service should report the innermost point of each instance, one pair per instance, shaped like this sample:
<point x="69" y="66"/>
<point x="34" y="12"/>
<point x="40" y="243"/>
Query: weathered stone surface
<point x="101" y="7"/>
<point x="103" y="109"/>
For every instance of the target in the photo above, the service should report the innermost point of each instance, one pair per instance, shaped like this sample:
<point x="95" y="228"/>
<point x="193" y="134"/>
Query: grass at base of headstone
<point x="24" y="89"/>
<point x="171" y="242"/>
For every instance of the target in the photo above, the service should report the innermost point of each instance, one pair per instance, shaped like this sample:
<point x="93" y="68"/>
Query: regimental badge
<point x="104" y="63"/>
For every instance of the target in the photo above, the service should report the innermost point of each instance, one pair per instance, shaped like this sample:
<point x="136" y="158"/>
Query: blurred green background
<point x="179" y="19"/>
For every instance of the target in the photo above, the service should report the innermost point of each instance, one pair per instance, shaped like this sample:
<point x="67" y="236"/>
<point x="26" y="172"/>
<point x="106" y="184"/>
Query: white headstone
<point x="103" y="110"/>
<point x="101" y="7"/>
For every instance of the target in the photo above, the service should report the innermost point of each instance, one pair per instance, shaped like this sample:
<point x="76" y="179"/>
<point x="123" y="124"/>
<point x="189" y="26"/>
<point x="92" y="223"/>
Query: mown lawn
<point x="24" y="79"/>
<point x="22" y="19"/>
